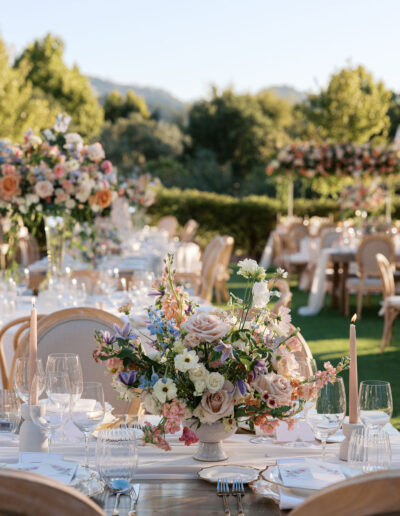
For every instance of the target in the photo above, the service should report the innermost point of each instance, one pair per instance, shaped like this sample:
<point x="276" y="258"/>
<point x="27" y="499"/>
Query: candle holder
<point x="347" y="431"/>
<point x="31" y="437"/>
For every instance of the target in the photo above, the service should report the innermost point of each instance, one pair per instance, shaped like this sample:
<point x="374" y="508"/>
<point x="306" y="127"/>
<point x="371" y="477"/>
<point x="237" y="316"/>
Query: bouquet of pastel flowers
<point x="55" y="174"/>
<point x="193" y="367"/>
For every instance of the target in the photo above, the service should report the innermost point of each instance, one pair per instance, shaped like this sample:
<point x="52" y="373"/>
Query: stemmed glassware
<point x="376" y="404"/>
<point x="52" y="411"/>
<point x="10" y="411"/>
<point x="70" y="364"/>
<point x="327" y="412"/>
<point x="21" y="378"/>
<point x="87" y="413"/>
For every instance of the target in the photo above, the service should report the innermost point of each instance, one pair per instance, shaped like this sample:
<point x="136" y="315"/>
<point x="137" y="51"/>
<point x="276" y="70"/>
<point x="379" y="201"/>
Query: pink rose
<point x="8" y="170"/>
<point x="287" y="364"/>
<point x="58" y="171"/>
<point x="107" y="166"/>
<point x="275" y="385"/>
<point x="207" y="327"/>
<point x="215" y="406"/>
<point x="44" y="189"/>
<point x="192" y="340"/>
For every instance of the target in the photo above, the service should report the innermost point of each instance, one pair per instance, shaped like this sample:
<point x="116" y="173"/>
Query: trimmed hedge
<point x="249" y="219"/>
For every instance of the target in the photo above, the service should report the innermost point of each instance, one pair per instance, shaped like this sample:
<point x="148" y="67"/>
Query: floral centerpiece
<point x="56" y="175"/>
<point x="140" y="191"/>
<point x="363" y="197"/>
<point x="201" y="369"/>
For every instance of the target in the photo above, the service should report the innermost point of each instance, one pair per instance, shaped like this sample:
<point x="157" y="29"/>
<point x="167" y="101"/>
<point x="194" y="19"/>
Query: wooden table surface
<point x="186" y="498"/>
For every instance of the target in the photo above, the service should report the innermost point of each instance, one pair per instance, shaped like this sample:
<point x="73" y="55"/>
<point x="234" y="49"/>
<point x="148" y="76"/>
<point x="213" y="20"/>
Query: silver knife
<point x="134" y="499"/>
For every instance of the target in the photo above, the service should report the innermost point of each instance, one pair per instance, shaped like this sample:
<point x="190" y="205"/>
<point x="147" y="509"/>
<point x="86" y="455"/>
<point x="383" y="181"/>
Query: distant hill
<point x="288" y="92"/>
<point x="158" y="100"/>
<point x="166" y="105"/>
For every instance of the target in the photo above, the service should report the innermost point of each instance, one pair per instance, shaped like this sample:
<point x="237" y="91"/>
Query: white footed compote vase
<point x="211" y="437"/>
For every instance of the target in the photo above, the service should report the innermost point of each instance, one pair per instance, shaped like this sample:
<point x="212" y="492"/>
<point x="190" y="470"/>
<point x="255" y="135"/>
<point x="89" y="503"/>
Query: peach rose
<point x="207" y="327"/>
<point x="8" y="170"/>
<point x="192" y="340"/>
<point x="103" y="198"/>
<point x="215" y="406"/>
<point x="44" y="189"/>
<point x="275" y="385"/>
<point x="9" y="186"/>
<point x="287" y="364"/>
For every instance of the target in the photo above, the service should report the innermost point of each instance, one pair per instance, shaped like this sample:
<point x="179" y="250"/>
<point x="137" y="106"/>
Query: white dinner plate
<point x="230" y="473"/>
<point x="273" y="476"/>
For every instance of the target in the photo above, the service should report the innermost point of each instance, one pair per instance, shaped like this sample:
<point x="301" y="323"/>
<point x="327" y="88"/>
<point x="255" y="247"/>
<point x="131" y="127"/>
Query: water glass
<point x="10" y="413"/>
<point x="55" y="405"/>
<point x="88" y="412"/>
<point x="21" y="378"/>
<point x="376" y="403"/>
<point x="369" y="450"/>
<point x="327" y="413"/>
<point x="116" y="455"/>
<point x="70" y="364"/>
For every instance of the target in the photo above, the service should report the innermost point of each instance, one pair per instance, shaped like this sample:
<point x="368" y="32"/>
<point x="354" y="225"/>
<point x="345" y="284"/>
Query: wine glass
<point x="376" y="403"/>
<point x="306" y="369"/>
<point x="52" y="411"/>
<point x="87" y="413"/>
<point x="21" y="378"/>
<point x="70" y="364"/>
<point x="116" y="456"/>
<point x="10" y="412"/>
<point x="327" y="412"/>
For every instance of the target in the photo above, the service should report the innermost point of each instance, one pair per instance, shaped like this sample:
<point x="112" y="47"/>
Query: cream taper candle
<point x="353" y="376"/>
<point x="33" y="355"/>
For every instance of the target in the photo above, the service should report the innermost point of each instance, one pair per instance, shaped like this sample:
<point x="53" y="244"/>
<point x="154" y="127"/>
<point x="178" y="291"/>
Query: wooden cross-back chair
<point x="72" y="330"/>
<point x="30" y="494"/>
<point x="189" y="231"/>
<point x="286" y="294"/>
<point x="223" y="273"/>
<point x="168" y="224"/>
<point x="391" y="302"/>
<point x="23" y="323"/>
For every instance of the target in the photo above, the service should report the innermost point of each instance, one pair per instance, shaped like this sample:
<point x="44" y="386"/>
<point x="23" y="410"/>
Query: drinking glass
<point x="376" y="403"/>
<point x="87" y="413"/>
<point x="306" y="370"/>
<point x="21" y="378"/>
<point x="70" y="364"/>
<point x="369" y="450"/>
<point x="326" y="414"/>
<point x="117" y="456"/>
<point x="53" y="409"/>
<point x="10" y="413"/>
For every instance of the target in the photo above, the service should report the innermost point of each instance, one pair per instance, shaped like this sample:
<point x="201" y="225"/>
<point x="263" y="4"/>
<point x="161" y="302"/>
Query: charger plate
<point x="229" y="473"/>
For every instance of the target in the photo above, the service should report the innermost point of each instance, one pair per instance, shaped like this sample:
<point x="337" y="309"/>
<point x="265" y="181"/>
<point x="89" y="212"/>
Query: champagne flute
<point x="70" y="364"/>
<point x="87" y="413"/>
<point x="52" y="411"/>
<point x="327" y="412"/>
<point x="10" y="412"/>
<point x="376" y="404"/>
<point x="21" y="378"/>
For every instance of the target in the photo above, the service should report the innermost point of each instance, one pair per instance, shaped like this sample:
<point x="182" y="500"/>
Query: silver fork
<point x="223" y="490"/>
<point x="238" y="491"/>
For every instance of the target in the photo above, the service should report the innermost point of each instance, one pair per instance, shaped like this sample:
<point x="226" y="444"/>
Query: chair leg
<point x="218" y="293"/>
<point x="346" y="302"/>
<point x="359" y="303"/>
<point x="385" y="333"/>
<point x="225" y="292"/>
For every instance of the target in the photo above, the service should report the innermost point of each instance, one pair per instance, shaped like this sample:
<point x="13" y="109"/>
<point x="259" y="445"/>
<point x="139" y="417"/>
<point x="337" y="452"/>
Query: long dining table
<point x="169" y="482"/>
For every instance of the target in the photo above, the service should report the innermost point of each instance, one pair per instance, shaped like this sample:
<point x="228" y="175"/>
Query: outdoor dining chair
<point x="168" y="224"/>
<point x="391" y="302"/>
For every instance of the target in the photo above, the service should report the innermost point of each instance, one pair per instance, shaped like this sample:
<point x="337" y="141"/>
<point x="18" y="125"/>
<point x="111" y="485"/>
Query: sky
<point x="184" y="46"/>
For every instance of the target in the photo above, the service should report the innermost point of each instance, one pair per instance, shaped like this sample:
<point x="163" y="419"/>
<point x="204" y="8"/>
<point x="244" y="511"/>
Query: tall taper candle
<point x="353" y="377"/>
<point x="33" y="354"/>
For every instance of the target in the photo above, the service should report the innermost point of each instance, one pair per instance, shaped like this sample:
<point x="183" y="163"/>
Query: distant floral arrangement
<point x="311" y="159"/>
<point x="55" y="174"/>
<point x="140" y="191"/>
<point x="198" y="368"/>
<point x="369" y="197"/>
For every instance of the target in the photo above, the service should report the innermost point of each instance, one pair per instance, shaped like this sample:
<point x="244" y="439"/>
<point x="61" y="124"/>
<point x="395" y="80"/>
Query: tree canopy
<point x="117" y="107"/>
<point x="21" y="106"/>
<point x="354" y="107"/>
<point x="65" y="89"/>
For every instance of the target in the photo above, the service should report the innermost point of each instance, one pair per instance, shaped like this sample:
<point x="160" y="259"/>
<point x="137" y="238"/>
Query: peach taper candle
<point x="353" y="376"/>
<point x="33" y="355"/>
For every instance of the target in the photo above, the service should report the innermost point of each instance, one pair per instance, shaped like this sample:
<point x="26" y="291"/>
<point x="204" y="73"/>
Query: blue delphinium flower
<point x="156" y="324"/>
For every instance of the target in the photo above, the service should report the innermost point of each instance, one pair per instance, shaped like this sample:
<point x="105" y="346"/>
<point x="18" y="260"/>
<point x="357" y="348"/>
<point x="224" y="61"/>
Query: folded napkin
<point x="309" y="473"/>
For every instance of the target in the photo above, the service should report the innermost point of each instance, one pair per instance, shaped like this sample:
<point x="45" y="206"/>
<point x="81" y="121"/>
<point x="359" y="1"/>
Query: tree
<point x="65" y="88"/>
<point x="394" y="115"/>
<point x="116" y="107"/>
<point x="236" y="127"/>
<point x="21" y="108"/>
<point x="133" y="141"/>
<point x="352" y="108"/>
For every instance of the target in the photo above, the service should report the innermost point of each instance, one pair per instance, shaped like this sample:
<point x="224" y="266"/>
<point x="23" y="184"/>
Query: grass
<point x="327" y="335"/>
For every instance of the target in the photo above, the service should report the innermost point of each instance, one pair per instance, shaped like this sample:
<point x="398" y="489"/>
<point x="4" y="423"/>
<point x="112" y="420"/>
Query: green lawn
<point x="328" y="337"/>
